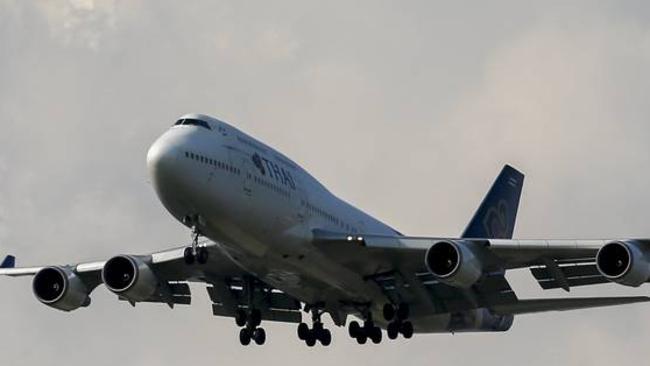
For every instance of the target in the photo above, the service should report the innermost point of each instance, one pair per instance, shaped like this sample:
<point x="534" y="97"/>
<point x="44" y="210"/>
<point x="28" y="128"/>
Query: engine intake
<point x="453" y="263"/>
<point x="624" y="262"/>
<point x="60" y="288"/>
<point x="130" y="277"/>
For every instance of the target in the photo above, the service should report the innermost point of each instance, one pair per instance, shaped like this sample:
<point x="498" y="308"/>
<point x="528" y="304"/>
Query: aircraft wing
<point x="408" y="252"/>
<point x="396" y="262"/>
<point x="225" y="282"/>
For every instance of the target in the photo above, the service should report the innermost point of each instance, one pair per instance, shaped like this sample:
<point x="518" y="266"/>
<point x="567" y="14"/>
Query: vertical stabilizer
<point x="8" y="262"/>
<point x="496" y="216"/>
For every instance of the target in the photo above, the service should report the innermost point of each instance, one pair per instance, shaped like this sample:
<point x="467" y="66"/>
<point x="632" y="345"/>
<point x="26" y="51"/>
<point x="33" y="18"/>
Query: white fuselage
<point x="260" y="207"/>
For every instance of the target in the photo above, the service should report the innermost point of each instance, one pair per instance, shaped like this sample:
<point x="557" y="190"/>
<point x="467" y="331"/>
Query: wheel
<point x="325" y="337"/>
<point x="202" y="255"/>
<point x="244" y="337"/>
<point x="354" y="329"/>
<point x="403" y="311"/>
<point x="310" y="340"/>
<point x="240" y="318"/>
<point x="389" y="312"/>
<point x="303" y="331"/>
<point x="259" y="335"/>
<point x="376" y="335"/>
<point x="362" y="339"/>
<point x="368" y="327"/>
<point x="318" y="327"/>
<point x="188" y="256"/>
<point x="393" y="330"/>
<point x="255" y="317"/>
<point x="406" y="329"/>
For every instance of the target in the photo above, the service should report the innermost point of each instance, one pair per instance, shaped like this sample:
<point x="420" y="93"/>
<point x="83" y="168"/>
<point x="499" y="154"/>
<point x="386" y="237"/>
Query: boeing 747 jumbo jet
<point x="270" y="242"/>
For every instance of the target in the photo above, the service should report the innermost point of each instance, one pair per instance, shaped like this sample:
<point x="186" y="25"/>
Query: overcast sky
<point x="406" y="109"/>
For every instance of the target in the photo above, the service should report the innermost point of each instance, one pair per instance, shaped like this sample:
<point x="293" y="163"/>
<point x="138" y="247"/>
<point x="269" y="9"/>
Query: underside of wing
<point x="542" y="305"/>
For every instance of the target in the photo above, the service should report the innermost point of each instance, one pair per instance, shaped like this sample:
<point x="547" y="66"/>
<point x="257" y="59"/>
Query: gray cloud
<point x="407" y="110"/>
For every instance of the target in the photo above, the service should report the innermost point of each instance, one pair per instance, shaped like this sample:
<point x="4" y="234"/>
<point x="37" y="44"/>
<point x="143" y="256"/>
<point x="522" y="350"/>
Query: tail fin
<point x="495" y="217"/>
<point x="8" y="262"/>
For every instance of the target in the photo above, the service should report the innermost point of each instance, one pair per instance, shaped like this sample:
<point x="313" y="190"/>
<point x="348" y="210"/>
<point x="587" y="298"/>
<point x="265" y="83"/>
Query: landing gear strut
<point x="317" y="333"/>
<point x="397" y="316"/>
<point x="195" y="253"/>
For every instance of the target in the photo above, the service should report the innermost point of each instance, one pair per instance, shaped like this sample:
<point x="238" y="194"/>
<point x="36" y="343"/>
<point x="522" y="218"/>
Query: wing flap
<point x="574" y="275"/>
<point x="530" y="306"/>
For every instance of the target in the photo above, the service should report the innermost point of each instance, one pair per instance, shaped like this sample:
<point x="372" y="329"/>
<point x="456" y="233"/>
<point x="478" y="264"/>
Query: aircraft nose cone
<point x="161" y="160"/>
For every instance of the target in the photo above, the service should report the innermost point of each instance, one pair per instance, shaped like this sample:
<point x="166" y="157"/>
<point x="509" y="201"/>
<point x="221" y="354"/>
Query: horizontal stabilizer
<point x="8" y="262"/>
<point x="542" y="305"/>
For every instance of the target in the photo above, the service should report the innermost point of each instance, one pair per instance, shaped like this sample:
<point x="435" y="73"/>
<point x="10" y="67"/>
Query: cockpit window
<point x="193" y="122"/>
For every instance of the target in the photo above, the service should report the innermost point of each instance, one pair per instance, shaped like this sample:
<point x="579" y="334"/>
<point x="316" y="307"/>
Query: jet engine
<point x="130" y="277"/>
<point x="60" y="288"/>
<point x="480" y="320"/>
<point x="624" y="262"/>
<point x="453" y="263"/>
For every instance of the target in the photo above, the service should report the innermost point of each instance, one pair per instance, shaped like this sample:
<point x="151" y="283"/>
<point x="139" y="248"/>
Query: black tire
<point x="244" y="337"/>
<point x="362" y="339"/>
<point x="389" y="312"/>
<point x="259" y="335"/>
<point x="318" y="327"/>
<point x="368" y="327"/>
<point x="376" y="335"/>
<point x="310" y="340"/>
<point x="188" y="256"/>
<point x="240" y="318"/>
<point x="354" y="330"/>
<point x="255" y="317"/>
<point x="303" y="331"/>
<point x="393" y="330"/>
<point x="403" y="311"/>
<point x="325" y="337"/>
<point x="202" y="255"/>
<point x="407" y="330"/>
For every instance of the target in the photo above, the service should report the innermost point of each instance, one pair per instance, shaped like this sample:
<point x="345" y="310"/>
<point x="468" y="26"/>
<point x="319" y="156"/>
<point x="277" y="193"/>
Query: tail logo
<point x="495" y="222"/>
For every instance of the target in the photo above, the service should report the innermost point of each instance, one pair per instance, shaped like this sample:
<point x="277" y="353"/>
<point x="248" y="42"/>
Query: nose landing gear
<point x="195" y="253"/>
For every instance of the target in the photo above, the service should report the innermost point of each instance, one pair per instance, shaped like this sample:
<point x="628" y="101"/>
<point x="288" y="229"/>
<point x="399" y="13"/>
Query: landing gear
<point x="369" y="331"/>
<point x="398" y="321"/>
<point x="250" y="319"/>
<point x="195" y="253"/>
<point x="318" y="333"/>
<point x="251" y="331"/>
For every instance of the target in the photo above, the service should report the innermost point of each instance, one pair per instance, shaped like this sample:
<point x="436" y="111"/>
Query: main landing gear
<point x="397" y="316"/>
<point x="250" y="321"/>
<point x="195" y="253"/>
<point x="317" y="333"/>
<point x="251" y="318"/>
<point x="363" y="333"/>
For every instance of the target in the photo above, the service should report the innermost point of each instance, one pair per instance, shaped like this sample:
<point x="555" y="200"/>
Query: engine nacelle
<point x="130" y="277"/>
<point x="60" y="288"/>
<point x="480" y="320"/>
<point x="624" y="262"/>
<point x="454" y="264"/>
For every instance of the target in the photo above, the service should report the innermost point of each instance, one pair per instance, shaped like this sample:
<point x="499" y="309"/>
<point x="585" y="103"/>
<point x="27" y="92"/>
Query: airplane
<point x="271" y="243"/>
